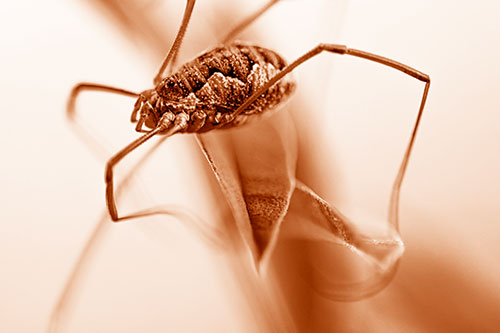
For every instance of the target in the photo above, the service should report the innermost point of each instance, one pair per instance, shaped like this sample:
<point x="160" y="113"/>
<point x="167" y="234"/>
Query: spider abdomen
<point x="215" y="83"/>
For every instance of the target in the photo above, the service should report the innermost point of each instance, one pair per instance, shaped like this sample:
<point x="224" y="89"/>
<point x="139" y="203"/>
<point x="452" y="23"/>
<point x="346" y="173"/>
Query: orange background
<point x="52" y="188"/>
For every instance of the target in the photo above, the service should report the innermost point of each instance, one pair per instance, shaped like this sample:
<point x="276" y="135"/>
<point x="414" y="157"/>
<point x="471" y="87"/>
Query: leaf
<point x="255" y="166"/>
<point x="312" y="218"/>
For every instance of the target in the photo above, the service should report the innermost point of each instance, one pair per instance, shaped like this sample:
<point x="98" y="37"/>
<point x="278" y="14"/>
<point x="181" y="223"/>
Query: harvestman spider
<point x="222" y="88"/>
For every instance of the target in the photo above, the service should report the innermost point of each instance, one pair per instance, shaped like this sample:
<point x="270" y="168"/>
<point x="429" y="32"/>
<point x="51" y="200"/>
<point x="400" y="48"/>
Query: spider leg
<point x="72" y="116"/>
<point x="342" y="49"/>
<point x="247" y="21"/>
<point x="82" y="86"/>
<point x="174" y="49"/>
<point x="179" y="124"/>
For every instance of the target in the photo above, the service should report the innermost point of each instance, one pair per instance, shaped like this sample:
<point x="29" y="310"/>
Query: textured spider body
<point x="206" y="92"/>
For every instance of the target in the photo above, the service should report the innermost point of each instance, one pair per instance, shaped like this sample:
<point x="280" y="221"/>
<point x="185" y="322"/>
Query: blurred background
<point x="160" y="276"/>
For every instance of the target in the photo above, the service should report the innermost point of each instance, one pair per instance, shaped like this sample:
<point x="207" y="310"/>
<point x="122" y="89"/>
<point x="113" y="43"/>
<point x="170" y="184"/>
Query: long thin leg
<point x="84" y="133"/>
<point x="174" y="49"/>
<point x="179" y="124"/>
<point x="396" y="187"/>
<point x="82" y="86"/>
<point x="110" y="199"/>
<point x="338" y="49"/>
<point x="342" y="49"/>
<point x="249" y="20"/>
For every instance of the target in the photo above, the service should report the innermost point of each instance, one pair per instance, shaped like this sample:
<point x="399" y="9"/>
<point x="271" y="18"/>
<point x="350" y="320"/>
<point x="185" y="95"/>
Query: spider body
<point x="206" y="91"/>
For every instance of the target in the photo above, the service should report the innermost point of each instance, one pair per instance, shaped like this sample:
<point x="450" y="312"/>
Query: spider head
<point x="146" y="110"/>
